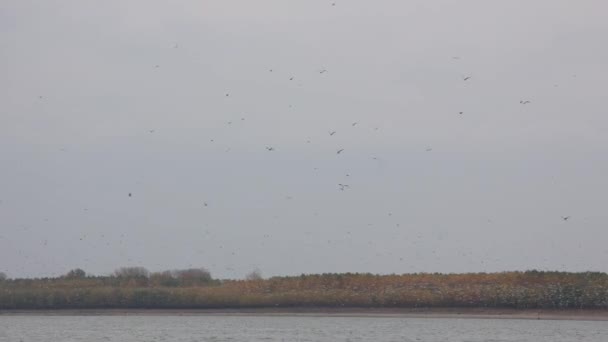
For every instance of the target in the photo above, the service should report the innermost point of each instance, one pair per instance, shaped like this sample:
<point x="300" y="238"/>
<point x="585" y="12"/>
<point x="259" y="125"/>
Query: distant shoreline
<point x="475" y="295"/>
<point x="471" y="313"/>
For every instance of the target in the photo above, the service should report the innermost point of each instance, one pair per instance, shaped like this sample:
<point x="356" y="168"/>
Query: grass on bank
<point x="136" y="288"/>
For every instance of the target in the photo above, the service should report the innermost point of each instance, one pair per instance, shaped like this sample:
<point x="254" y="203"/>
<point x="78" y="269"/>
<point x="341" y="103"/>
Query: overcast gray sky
<point x="176" y="103"/>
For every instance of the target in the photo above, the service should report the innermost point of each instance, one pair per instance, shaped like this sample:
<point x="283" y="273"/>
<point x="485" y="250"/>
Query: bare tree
<point x="132" y="272"/>
<point x="76" y="273"/>
<point x="192" y="276"/>
<point x="254" y="275"/>
<point x="164" y="278"/>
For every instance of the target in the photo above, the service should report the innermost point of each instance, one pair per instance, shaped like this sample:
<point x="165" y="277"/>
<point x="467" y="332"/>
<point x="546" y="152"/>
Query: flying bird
<point x="429" y="149"/>
<point x="332" y="132"/>
<point x="270" y="148"/>
<point x="339" y="151"/>
<point x="524" y="102"/>
<point x="460" y="113"/>
<point x="130" y="195"/>
<point x="467" y="78"/>
<point x="565" y="218"/>
<point x="354" y="124"/>
<point x="343" y="186"/>
<point x="291" y="78"/>
<point x="322" y="71"/>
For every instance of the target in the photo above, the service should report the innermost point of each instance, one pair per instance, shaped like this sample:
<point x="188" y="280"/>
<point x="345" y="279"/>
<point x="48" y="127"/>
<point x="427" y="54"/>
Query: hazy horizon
<point x="143" y="133"/>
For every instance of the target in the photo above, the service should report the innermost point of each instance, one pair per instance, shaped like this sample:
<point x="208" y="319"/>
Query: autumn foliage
<point x="194" y="288"/>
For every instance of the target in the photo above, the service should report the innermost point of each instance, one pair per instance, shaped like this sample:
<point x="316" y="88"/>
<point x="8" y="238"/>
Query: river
<point x="34" y="328"/>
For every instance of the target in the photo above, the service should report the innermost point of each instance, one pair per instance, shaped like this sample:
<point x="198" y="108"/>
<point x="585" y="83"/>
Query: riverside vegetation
<point x="135" y="287"/>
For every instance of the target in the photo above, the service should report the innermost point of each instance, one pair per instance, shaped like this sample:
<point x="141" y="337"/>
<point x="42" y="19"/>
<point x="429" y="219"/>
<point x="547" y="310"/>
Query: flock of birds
<point x="331" y="133"/>
<point x="343" y="186"/>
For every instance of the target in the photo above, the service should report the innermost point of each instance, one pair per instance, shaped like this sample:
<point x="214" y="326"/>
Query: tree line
<point x="135" y="287"/>
<point x="121" y="277"/>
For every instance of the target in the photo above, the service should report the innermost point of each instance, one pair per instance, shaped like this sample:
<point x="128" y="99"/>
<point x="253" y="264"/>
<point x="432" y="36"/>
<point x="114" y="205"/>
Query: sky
<point x="469" y="131"/>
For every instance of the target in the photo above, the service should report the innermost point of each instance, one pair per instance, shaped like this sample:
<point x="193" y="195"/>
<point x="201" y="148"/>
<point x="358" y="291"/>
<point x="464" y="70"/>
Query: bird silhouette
<point x="343" y="186"/>
<point x="524" y="102"/>
<point x="339" y="151"/>
<point x="332" y="132"/>
<point x="270" y="148"/>
<point x="291" y="78"/>
<point x="354" y="124"/>
<point x="565" y="218"/>
<point x="130" y="195"/>
<point x="467" y="78"/>
<point x="322" y="71"/>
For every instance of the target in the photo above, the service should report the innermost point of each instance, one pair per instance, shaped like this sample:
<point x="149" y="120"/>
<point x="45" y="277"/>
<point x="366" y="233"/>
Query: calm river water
<point x="264" y="328"/>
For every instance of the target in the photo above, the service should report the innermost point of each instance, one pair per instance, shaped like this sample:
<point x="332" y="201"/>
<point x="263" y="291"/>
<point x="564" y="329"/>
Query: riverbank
<point x="470" y="313"/>
<point x="526" y="293"/>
